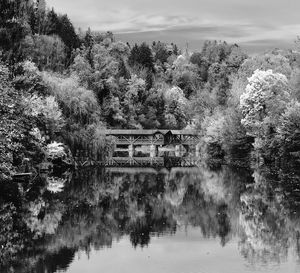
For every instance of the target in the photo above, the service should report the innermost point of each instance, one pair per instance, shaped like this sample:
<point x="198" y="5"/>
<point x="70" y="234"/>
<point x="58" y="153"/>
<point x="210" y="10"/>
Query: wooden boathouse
<point x="144" y="148"/>
<point x="129" y="140"/>
<point x="181" y="144"/>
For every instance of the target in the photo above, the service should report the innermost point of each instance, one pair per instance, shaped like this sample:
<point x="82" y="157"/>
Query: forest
<point x="61" y="87"/>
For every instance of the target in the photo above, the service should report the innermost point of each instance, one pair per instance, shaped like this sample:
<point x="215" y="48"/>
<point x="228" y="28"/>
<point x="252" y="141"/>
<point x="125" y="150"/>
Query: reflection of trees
<point x="267" y="217"/>
<point x="223" y="224"/>
<point x="211" y="201"/>
<point x="57" y="261"/>
<point x="97" y="208"/>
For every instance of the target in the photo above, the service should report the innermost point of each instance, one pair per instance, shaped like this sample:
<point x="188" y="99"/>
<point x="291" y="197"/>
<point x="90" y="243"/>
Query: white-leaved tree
<point x="264" y="100"/>
<point x="47" y="109"/>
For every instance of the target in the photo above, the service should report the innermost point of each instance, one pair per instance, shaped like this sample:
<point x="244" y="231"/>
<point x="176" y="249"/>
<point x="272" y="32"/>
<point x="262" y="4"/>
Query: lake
<point x="179" y="220"/>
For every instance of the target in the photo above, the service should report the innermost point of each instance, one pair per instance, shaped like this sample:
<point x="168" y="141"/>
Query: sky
<point x="256" y="25"/>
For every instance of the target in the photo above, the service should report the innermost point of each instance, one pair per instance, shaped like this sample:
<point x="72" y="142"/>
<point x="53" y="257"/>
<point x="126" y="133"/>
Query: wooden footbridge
<point x="154" y="148"/>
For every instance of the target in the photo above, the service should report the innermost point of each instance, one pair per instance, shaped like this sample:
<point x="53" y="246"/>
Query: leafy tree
<point x="265" y="98"/>
<point x="149" y="80"/>
<point x="16" y="142"/>
<point x="276" y="62"/>
<point x="235" y="59"/>
<point x="82" y="68"/>
<point x="288" y="129"/>
<point x="48" y="52"/>
<point x="161" y="52"/>
<point x="113" y="112"/>
<point x="77" y="102"/>
<point x="154" y="108"/>
<point x="215" y="52"/>
<point x="28" y="80"/>
<point x="176" y="108"/>
<point x="47" y="110"/>
<point x="214" y="127"/>
<point x="133" y="101"/>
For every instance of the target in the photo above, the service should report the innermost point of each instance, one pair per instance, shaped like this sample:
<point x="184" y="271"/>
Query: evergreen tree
<point x="52" y="23"/>
<point x="141" y="55"/>
<point x="67" y="33"/>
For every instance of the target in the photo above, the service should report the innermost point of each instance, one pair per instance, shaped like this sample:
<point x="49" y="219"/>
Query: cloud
<point x="237" y="21"/>
<point x="254" y="38"/>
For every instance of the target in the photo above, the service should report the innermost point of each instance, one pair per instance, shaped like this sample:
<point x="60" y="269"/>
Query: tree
<point x="154" y="108"/>
<point x="176" y="108"/>
<point x="68" y="35"/>
<point x="215" y="52"/>
<point x="133" y="100"/>
<point x="274" y="61"/>
<point x="288" y="129"/>
<point x="88" y="39"/>
<point x="48" y="52"/>
<point x="141" y="55"/>
<point x="78" y="103"/>
<point x="16" y="141"/>
<point x="113" y="112"/>
<point x="28" y="81"/>
<point x="40" y="16"/>
<point x="265" y="98"/>
<point x="82" y="68"/>
<point x="52" y="23"/>
<point x="47" y="110"/>
<point x="161" y="53"/>
<point x="235" y="59"/>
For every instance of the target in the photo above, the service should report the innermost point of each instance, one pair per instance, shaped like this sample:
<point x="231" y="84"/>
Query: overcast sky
<point x="254" y="24"/>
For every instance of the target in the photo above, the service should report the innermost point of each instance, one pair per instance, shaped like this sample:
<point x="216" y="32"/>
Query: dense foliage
<point x="66" y="86"/>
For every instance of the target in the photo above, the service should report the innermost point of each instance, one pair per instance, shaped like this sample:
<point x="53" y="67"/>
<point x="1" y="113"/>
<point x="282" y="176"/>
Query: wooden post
<point x="131" y="150"/>
<point x="153" y="150"/>
<point x="177" y="150"/>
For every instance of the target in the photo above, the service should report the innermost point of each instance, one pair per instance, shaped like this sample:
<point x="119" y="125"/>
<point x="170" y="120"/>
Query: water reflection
<point x="270" y="217"/>
<point x="251" y="217"/>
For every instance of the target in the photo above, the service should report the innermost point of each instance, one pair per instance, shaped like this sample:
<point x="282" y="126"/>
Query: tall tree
<point x="67" y="33"/>
<point x="141" y="55"/>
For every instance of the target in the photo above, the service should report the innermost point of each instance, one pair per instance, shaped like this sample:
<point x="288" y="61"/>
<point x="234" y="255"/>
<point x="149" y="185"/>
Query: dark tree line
<point x="21" y="20"/>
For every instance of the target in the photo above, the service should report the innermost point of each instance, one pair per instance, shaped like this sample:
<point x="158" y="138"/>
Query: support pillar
<point x="178" y="150"/>
<point x="131" y="150"/>
<point x="153" y="150"/>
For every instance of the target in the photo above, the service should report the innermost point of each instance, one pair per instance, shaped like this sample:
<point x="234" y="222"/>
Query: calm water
<point x="194" y="220"/>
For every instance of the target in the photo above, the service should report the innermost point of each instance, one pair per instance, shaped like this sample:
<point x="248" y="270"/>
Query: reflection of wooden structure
<point x="152" y="161"/>
<point x="154" y="171"/>
<point x="126" y="141"/>
<point x="135" y="161"/>
<point x="155" y="148"/>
